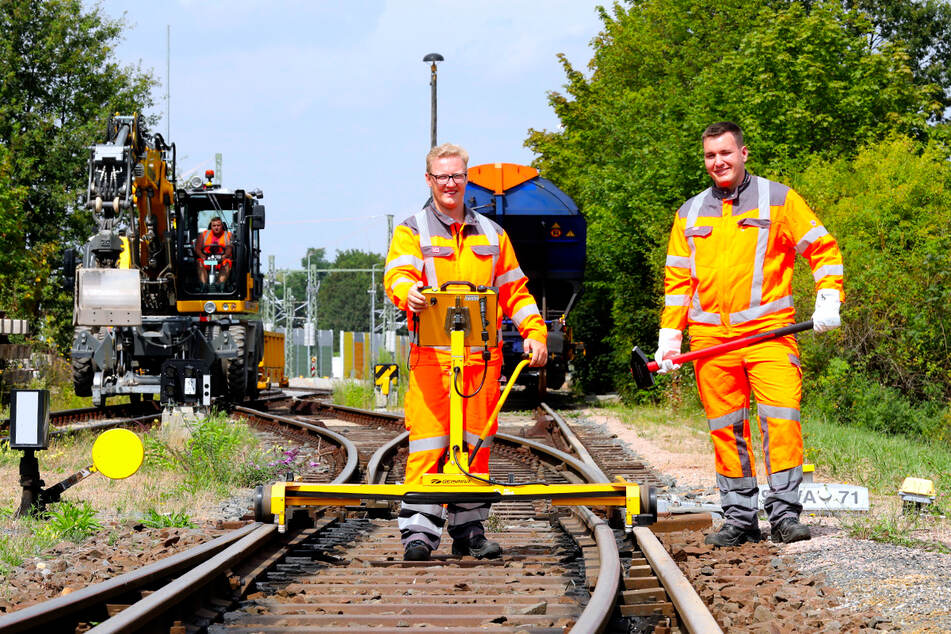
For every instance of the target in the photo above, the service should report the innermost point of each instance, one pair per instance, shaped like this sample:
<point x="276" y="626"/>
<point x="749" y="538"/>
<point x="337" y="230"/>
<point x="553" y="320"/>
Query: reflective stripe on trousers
<point x="769" y="371"/>
<point x="738" y="497"/>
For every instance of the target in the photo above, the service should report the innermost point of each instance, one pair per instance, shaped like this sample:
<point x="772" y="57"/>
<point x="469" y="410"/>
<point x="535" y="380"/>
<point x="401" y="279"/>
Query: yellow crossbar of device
<point x="277" y="499"/>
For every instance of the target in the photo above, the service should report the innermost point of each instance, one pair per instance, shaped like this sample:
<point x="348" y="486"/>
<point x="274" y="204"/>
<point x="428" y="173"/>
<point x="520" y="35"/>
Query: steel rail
<point x="692" y="611"/>
<point x="57" y="610"/>
<point x="145" y="611"/>
<point x="597" y="613"/>
<point x="573" y="440"/>
<point x="363" y="413"/>
<point x="381" y="454"/>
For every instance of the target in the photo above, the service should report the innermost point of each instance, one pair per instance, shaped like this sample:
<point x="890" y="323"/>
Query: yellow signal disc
<point x="117" y="453"/>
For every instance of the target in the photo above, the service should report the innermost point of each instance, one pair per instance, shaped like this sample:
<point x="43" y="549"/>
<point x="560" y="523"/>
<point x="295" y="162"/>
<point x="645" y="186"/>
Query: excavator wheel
<point x="82" y="369"/>
<point x="237" y="372"/>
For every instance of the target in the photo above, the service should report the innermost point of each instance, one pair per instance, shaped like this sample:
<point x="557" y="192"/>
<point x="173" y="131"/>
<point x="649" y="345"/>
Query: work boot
<point x="477" y="546"/>
<point x="731" y="535"/>
<point x="790" y="530"/>
<point x="417" y="550"/>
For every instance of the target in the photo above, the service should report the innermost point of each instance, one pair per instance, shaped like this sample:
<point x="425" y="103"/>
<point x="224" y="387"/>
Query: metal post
<point x="372" y="293"/>
<point x="388" y="306"/>
<point x="168" y="82"/>
<point x="432" y="58"/>
<point x="310" y="323"/>
<point x="288" y="331"/>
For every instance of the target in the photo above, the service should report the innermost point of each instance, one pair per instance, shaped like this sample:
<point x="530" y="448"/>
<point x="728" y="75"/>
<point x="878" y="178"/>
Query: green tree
<point x="343" y="302"/>
<point x="59" y="81"/>
<point x="802" y="79"/>
<point x="923" y="27"/>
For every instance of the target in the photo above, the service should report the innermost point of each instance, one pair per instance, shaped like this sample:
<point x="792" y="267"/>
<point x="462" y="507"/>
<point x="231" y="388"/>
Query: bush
<point x="846" y="394"/>
<point x="888" y="210"/>
<point x="355" y="393"/>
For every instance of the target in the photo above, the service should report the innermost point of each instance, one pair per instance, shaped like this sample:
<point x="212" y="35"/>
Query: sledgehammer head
<point x="643" y="377"/>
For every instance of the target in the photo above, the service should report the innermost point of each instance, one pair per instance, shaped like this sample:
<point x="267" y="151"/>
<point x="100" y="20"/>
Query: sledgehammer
<point x="643" y="370"/>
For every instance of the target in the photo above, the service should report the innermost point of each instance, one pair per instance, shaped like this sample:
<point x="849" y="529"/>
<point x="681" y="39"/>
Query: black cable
<point x="455" y="382"/>
<point x="486" y="354"/>
<point x="409" y="354"/>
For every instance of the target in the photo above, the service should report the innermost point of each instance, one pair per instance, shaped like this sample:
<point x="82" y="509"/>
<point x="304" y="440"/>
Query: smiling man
<point x="448" y="242"/>
<point x="729" y="274"/>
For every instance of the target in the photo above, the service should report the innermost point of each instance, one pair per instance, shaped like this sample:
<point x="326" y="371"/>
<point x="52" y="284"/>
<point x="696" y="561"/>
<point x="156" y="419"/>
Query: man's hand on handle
<point x="415" y="299"/>
<point x="668" y="345"/>
<point x="538" y="351"/>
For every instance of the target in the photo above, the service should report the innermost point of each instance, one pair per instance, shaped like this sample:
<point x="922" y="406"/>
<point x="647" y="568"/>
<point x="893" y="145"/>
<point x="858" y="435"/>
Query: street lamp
<point x="432" y="58"/>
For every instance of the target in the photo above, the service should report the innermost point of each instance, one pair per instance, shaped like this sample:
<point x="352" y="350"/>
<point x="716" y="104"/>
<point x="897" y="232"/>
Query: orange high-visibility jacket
<point x="431" y="247"/>
<point x="730" y="263"/>
<point x="208" y="240"/>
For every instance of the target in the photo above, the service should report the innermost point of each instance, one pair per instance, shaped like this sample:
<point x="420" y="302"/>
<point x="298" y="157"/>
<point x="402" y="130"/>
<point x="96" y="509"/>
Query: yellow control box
<point x="450" y="307"/>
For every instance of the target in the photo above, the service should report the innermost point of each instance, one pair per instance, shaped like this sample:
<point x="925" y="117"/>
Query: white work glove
<point x="826" y="315"/>
<point x="668" y="341"/>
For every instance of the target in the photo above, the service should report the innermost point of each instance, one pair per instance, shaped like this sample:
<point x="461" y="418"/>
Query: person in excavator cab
<point x="728" y="274"/>
<point x="214" y="244"/>
<point x="447" y="241"/>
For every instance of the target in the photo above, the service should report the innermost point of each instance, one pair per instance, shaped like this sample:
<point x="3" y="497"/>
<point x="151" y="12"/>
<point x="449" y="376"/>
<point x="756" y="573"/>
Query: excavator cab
<point x="219" y="259"/>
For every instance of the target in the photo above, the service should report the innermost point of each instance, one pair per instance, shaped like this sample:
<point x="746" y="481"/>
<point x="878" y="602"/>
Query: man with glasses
<point x="448" y="242"/>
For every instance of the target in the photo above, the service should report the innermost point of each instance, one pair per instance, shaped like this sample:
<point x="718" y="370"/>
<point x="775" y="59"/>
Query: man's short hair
<point x="446" y="150"/>
<point x="722" y="127"/>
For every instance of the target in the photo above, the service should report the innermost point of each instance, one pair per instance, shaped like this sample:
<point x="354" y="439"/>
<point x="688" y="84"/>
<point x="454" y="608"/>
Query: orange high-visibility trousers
<point x="771" y="372"/>
<point x="427" y="411"/>
<point x="427" y="420"/>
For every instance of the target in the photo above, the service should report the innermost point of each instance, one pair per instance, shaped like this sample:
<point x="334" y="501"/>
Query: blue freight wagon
<point x="549" y="236"/>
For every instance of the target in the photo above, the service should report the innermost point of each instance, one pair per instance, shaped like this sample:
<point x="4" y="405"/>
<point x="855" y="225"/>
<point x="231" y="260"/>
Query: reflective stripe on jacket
<point x="431" y="247"/>
<point x="730" y="263"/>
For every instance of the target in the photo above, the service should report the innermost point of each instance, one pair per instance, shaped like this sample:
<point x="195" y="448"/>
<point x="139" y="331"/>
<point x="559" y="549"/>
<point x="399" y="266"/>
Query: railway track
<point x="341" y="570"/>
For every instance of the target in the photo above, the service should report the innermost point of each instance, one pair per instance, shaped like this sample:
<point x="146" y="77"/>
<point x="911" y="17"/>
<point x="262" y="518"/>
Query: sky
<point x="325" y="105"/>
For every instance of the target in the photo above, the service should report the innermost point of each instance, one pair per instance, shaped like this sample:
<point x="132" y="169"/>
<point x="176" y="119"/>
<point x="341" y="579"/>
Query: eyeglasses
<point x="442" y="179"/>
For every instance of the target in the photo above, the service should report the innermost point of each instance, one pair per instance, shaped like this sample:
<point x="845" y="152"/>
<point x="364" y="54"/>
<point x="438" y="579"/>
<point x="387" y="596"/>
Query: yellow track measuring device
<point x="460" y="320"/>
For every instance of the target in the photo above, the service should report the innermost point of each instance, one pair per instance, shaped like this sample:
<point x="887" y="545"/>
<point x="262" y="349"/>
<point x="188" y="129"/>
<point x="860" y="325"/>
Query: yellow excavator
<point x="164" y="289"/>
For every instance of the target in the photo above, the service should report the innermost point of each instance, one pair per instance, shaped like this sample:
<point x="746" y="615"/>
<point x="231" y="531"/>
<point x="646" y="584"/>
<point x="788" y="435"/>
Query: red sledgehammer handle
<point x="742" y="342"/>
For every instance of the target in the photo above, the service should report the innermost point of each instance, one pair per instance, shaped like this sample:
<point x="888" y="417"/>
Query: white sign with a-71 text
<point x="824" y="496"/>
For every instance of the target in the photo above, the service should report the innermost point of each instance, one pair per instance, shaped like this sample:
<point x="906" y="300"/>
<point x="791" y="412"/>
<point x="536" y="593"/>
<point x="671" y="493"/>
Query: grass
<point x="877" y="461"/>
<point x="354" y="393"/>
<point x="364" y="394"/>
<point x="29" y="536"/>
<point x="895" y="526"/>
<point x="172" y="519"/>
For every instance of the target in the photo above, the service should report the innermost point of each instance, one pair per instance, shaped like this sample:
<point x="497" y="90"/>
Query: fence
<point x="354" y="351"/>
